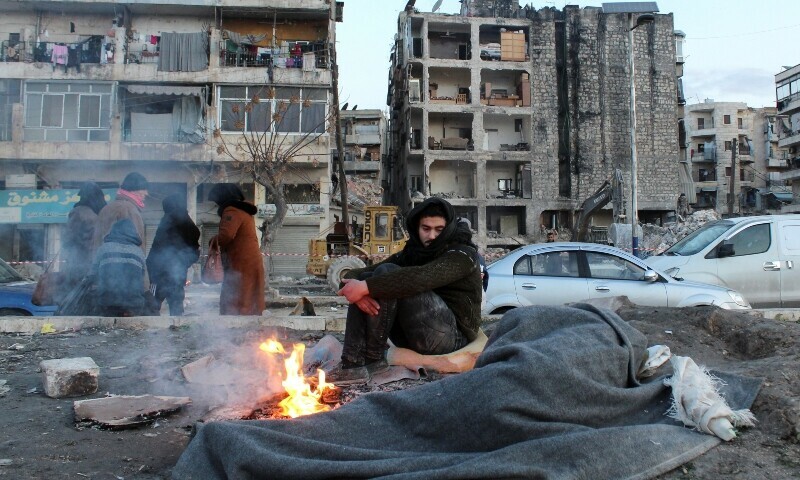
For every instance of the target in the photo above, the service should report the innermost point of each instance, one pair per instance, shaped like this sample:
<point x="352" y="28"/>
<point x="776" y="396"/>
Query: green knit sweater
<point x="454" y="276"/>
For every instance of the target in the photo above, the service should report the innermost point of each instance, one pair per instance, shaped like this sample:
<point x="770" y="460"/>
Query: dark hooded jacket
<point x="449" y="267"/>
<point x="244" y="284"/>
<point x="119" y="268"/>
<point x="176" y="244"/>
<point x="79" y="233"/>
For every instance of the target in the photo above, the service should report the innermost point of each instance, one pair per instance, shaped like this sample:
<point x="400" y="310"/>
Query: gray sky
<point x="733" y="48"/>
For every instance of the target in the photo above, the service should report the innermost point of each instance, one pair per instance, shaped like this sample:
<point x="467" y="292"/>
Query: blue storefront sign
<point x="40" y="206"/>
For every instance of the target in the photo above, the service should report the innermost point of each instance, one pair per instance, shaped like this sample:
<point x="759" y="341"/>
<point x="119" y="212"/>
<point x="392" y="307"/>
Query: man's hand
<point x="357" y="292"/>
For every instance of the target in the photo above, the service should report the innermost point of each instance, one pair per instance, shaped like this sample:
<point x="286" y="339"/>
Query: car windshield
<point x="8" y="274"/>
<point x="699" y="239"/>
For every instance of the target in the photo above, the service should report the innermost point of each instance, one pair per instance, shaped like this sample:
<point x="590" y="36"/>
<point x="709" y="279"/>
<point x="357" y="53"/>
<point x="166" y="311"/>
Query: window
<point x="301" y="193"/>
<point x="740" y="122"/>
<point x="382" y="225"/>
<point x="727" y="145"/>
<point x="64" y="111"/>
<point x="281" y="109"/>
<point x="416" y="183"/>
<point x="726" y="119"/>
<point x="752" y="240"/>
<point x="603" y="265"/>
<point x="727" y="171"/>
<point x="701" y="123"/>
<point x="555" y="264"/>
<point x="701" y="147"/>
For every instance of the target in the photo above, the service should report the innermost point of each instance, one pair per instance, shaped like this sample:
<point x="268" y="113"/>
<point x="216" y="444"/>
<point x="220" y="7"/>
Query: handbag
<point x="50" y="288"/>
<point x="212" y="268"/>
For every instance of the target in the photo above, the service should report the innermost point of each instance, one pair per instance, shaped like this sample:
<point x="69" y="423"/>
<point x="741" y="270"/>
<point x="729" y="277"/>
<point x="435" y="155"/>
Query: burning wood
<point x="301" y="398"/>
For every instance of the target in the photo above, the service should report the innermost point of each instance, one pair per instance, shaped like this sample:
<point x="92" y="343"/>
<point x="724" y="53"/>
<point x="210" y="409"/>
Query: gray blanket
<point x="554" y="395"/>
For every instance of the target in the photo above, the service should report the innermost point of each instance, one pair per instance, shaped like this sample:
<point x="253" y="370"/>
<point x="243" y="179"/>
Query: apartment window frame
<point x="726" y="119"/>
<point x="301" y="107"/>
<point x="740" y="122"/>
<point x="701" y="123"/>
<point x="41" y="123"/>
<point x="728" y="145"/>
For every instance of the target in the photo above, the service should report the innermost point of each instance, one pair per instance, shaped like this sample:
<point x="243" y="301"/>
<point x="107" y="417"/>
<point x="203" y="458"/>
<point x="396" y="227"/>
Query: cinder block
<point x="69" y="377"/>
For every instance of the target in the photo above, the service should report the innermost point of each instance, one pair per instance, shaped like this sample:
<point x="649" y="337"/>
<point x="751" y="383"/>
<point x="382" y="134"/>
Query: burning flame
<point x="302" y="400"/>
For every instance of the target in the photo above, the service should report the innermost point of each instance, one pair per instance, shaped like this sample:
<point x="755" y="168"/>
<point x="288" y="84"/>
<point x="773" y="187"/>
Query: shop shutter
<point x="289" y="251"/>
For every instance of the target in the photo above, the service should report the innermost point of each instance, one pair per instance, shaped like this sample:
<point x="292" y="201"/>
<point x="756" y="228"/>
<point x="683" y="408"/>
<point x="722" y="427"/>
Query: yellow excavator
<point x="381" y="235"/>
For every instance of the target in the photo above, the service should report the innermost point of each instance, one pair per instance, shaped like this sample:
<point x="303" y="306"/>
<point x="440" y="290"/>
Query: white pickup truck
<point x="757" y="256"/>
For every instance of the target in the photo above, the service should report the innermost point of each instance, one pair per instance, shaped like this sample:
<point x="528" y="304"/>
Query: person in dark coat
<point x="78" y="234"/>
<point x="175" y="248"/>
<point x="426" y="298"/>
<point x="118" y="270"/>
<point x="244" y="283"/>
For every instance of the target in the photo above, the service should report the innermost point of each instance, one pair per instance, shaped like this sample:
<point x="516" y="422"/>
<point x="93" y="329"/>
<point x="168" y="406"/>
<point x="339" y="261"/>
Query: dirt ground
<point x="40" y="439"/>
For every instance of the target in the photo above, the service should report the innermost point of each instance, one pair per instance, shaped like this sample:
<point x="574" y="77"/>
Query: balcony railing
<point x="705" y="156"/>
<point x="703" y="176"/>
<point x="246" y="56"/>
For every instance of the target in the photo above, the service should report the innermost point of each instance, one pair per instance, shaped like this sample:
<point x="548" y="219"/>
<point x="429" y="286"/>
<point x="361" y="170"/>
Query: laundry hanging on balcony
<point x="183" y="52"/>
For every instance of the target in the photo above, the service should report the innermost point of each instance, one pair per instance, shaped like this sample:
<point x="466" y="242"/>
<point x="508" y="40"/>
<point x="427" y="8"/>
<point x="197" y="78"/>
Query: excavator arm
<point x="595" y="202"/>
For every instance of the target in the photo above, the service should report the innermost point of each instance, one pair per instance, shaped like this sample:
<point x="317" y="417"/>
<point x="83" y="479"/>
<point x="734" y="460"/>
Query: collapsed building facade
<point x="517" y="115"/>
<point x="90" y="91"/>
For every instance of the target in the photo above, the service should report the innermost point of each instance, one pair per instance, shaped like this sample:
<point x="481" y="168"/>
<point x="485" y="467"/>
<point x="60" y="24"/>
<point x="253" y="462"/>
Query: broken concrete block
<point x="69" y="377"/>
<point x="126" y="411"/>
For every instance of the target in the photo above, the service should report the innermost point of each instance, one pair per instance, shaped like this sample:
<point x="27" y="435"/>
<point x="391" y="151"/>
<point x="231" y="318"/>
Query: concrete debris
<point x="656" y="239"/>
<point x="4" y="462"/>
<point x="304" y="308"/>
<point x="208" y="370"/>
<point x="122" y="411"/>
<point x="69" y="377"/>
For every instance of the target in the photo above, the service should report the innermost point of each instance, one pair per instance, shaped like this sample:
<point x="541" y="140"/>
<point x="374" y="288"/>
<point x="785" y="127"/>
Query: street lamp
<point x="639" y="13"/>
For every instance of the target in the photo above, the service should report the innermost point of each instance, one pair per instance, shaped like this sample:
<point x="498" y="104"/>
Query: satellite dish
<point x="436" y="5"/>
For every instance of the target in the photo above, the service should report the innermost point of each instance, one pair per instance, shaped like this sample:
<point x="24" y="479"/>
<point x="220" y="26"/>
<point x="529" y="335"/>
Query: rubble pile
<point x="656" y="239"/>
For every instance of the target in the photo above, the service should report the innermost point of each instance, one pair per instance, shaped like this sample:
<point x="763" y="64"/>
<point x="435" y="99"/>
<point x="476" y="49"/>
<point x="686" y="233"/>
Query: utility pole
<point x="337" y="119"/>
<point x="734" y="145"/>
<point x="634" y="162"/>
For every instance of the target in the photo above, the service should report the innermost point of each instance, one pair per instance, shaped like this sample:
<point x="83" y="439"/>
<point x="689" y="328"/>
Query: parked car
<point x="15" y="295"/>
<point x="565" y="272"/>
<point x="759" y="256"/>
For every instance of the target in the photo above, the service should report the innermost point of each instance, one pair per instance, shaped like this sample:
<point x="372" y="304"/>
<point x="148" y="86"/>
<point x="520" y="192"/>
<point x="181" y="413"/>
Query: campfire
<point x="303" y="398"/>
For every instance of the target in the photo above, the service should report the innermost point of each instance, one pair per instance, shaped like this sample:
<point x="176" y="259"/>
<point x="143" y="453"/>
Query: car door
<point x="612" y="276"/>
<point x="754" y="269"/>
<point x="549" y="278"/>
<point x="789" y="248"/>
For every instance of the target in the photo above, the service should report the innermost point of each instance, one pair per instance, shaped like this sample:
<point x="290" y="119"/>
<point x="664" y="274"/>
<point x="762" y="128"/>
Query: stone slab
<point x="69" y="377"/>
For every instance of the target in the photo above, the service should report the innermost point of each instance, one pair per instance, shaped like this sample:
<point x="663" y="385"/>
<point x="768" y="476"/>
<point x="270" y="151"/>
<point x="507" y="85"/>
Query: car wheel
<point x="340" y="267"/>
<point x="13" y="312"/>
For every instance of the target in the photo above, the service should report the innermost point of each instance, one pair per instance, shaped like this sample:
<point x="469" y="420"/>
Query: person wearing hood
<point x="175" y="248"/>
<point x="244" y="283"/>
<point x="118" y="270"/>
<point x="128" y="203"/>
<point x="78" y="234"/>
<point x="426" y="298"/>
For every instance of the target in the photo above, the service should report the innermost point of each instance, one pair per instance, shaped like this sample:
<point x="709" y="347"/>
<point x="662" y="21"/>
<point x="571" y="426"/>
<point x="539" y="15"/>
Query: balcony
<point x="700" y="157"/>
<point x="789" y="139"/>
<point x="778" y="163"/>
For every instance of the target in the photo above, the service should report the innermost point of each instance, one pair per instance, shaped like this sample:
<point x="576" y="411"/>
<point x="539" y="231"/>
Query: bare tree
<point x="268" y="154"/>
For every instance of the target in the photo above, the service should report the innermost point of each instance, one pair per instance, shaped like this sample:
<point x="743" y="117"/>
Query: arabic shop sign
<point x="40" y="206"/>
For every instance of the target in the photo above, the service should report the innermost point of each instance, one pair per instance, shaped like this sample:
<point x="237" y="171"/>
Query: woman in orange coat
<point x="244" y="284"/>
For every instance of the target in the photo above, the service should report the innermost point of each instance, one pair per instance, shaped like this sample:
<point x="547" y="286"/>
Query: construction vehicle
<point x="609" y="191"/>
<point x="381" y="235"/>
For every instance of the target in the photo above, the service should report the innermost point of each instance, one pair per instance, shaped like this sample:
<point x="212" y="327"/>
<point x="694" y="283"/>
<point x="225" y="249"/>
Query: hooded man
<point x="426" y="298"/>
<point x="119" y="272"/>
<point x="175" y="248"/>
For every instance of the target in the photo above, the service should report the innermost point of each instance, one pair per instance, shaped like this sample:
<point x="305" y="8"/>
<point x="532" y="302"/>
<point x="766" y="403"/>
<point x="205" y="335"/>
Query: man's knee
<point x="386" y="267"/>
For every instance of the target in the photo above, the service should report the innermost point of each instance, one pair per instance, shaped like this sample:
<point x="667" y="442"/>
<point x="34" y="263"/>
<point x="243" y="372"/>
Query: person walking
<point x="118" y="271"/>
<point x="244" y="283"/>
<point x="128" y="203"/>
<point x="175" y="248"/>
<point x="78" y="235"/>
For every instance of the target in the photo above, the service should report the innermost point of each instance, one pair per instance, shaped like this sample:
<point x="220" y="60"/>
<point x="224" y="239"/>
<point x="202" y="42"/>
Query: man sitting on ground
<point x="426" y="298"/>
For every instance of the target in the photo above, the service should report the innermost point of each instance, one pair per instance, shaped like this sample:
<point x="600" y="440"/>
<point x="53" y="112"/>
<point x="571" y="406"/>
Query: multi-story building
<point x="713" y="128"/>
<point x="787" y="85"/>
<point x="517" y="115"/>
<point x="90" y="91"/>
<point x="363" y="134"/>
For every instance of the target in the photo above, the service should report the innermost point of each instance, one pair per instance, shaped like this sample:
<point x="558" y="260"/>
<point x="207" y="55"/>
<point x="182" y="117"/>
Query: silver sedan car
<point x="559" y="273"/>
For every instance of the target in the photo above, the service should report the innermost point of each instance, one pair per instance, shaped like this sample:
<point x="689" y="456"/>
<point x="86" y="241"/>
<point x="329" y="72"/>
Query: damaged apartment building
<point x="517" y="115"/>
<point x="92" y="90"/>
